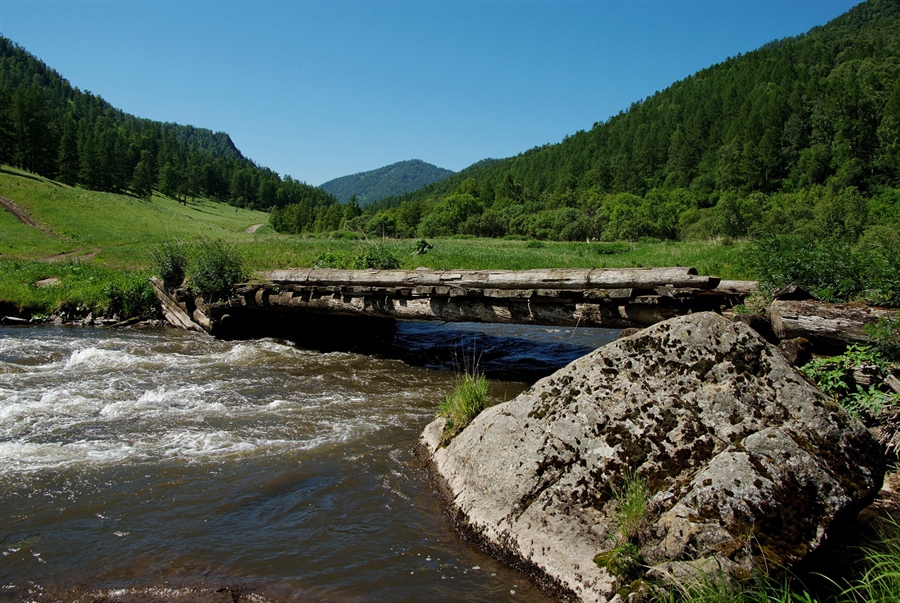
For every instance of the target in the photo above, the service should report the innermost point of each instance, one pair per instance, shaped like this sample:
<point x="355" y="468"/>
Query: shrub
<point x="463" y="404"/>
<point x="170" y="258"/>
<point x="131" y="296"/>
<point x="834" y="376"/>
<point x="829" y="269"/>
<point x="214" y="266"/>
<point x="421" y="247"/>
<point x="376" y="257"/>
<point x="885" y="338"/>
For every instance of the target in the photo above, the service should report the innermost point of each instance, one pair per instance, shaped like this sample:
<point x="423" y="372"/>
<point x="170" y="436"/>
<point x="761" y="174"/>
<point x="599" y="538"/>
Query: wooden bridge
<point x="617" y="298"/>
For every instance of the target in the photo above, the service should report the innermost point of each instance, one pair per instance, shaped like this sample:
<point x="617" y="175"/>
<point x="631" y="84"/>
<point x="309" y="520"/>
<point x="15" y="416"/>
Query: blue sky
<point x="322" y="89"/>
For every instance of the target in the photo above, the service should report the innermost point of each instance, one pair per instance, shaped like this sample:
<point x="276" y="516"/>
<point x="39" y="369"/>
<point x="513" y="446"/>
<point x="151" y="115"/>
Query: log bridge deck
<point x="616" y="298"/>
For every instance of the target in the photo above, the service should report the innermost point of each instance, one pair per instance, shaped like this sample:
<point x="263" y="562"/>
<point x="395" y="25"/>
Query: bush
<point x="131" y="296"/>
<point x="214" y="266"/>
<point x="170" y="258"/>
<point x="463" y="404"/>
<point x="375" y="257"/>
<point x="829" y="269"/>
<point x="834" y="376"/>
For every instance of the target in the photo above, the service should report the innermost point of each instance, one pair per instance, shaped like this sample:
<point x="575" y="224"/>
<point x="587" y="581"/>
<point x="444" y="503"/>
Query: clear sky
<point x="322" y="89"/>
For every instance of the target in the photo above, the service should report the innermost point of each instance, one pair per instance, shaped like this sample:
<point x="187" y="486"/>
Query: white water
<point x="160" y="459"/>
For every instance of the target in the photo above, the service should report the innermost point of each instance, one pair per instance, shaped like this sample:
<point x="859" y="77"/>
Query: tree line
<point x="61" y="132"/>
<point x="776" y="134"/>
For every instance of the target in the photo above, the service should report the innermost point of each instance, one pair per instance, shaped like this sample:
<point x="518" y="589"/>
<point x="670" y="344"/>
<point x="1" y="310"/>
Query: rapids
<point x="160" y="464"/>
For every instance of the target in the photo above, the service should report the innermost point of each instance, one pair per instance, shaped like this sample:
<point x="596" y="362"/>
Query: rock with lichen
<point x="746" y="466"/>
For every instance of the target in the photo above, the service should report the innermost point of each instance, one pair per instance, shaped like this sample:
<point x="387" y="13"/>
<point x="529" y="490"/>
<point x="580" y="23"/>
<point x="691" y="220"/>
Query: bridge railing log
<point x="600" y="278"/>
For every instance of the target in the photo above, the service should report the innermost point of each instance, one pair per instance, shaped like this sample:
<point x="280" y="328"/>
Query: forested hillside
<point x="389" y="181"/>
<point x="49" y="127"/>
<point x="803" y="129"/>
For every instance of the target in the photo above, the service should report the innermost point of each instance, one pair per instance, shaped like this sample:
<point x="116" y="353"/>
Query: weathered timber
<point x="736" y="287"/>
<point x="176" y="313"/>
<point x="825" y="324"/>
<point x="442" y="303"/>
<point x="606" y="278"/>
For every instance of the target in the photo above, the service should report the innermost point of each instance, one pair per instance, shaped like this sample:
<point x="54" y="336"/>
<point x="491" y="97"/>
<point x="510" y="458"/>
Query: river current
<point x="161" y="465"/>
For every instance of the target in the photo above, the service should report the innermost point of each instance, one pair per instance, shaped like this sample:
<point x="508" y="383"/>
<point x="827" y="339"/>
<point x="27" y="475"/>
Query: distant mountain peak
<point x="388" y="181"/>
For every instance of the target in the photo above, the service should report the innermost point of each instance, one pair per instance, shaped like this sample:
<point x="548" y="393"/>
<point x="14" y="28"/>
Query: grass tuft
<point x="463" y="404"/>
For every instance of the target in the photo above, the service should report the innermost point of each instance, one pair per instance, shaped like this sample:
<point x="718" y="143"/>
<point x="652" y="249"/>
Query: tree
<point x="68" y="163"/>
<point x="142" y="182"/>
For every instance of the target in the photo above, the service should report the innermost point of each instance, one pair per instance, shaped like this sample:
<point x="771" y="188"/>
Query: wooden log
<point x="495" y="305"/>
<point x="825" y="324"/>
<point x="607" y="278"/>
<point x="174" y="313"/>
<point x="736" y="288"/>
<point x="893" y="383"/>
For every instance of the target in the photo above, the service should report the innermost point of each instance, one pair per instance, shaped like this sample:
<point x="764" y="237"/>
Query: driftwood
<point x="825" y="324"/>
<point x="619" y="278"/>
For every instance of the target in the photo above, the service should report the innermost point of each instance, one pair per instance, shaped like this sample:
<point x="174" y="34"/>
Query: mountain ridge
<point x="387" y="181"/>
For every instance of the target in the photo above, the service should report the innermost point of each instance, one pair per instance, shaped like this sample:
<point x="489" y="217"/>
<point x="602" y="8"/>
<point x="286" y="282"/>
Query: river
<point x="162" y="465"/>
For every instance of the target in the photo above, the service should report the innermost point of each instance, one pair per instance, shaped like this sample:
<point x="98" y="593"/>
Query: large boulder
<point x="747" y="465"/>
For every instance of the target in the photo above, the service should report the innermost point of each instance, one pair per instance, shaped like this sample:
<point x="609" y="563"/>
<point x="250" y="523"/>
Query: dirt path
<point x="21" y="214"/>
<point x="253" y="228"/>
<point x="78" y="254"/>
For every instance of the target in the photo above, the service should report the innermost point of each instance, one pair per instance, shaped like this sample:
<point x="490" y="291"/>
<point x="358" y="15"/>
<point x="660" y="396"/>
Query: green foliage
<point x="171" y="260"/>
<point x="421" y="247"/>
<point x="831" y="268"/>
<point x="623" y="562"/>
<point x="213" y="267"/>
<point x="885" y="338"/>
<point x="610" y="248"/>
<point x="880" y="583"/>
<point x="633" y="498"/>
<point x="327" y="259"/>
<point x="377" y="256"/>
<point x="718" y="588"/>
<point x="131" y="296"/>
<point x="733" y="151"/>
<point x="834" y="376"/>
<point x="82" y="286"/>
<point x="50" y="128"/>
<point x="632" y="516"/>
<point x="464" y="403"/>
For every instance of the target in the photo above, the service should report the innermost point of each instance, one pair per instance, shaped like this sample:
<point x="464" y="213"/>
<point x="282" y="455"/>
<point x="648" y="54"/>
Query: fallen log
<point x="607" y="278"/>
<point x="825" y="324"/>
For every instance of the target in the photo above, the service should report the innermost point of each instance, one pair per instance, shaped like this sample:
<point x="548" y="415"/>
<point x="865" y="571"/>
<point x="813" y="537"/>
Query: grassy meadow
<point x="93" y="241"/>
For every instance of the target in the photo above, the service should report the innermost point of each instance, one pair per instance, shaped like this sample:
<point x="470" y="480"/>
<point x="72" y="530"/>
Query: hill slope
<point x="49" y="127"/>
<point x="389" y="181"/>
<point x="821" y="108"/>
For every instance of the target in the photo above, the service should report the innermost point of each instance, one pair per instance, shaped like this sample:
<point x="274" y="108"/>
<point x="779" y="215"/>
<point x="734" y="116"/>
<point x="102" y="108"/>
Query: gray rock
<point x="749" y="465"/>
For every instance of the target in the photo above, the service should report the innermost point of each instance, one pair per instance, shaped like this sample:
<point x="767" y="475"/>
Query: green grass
<point x="119" y="233"/>
<point x="878" y="580"/>
<point x="463" y="404"/>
